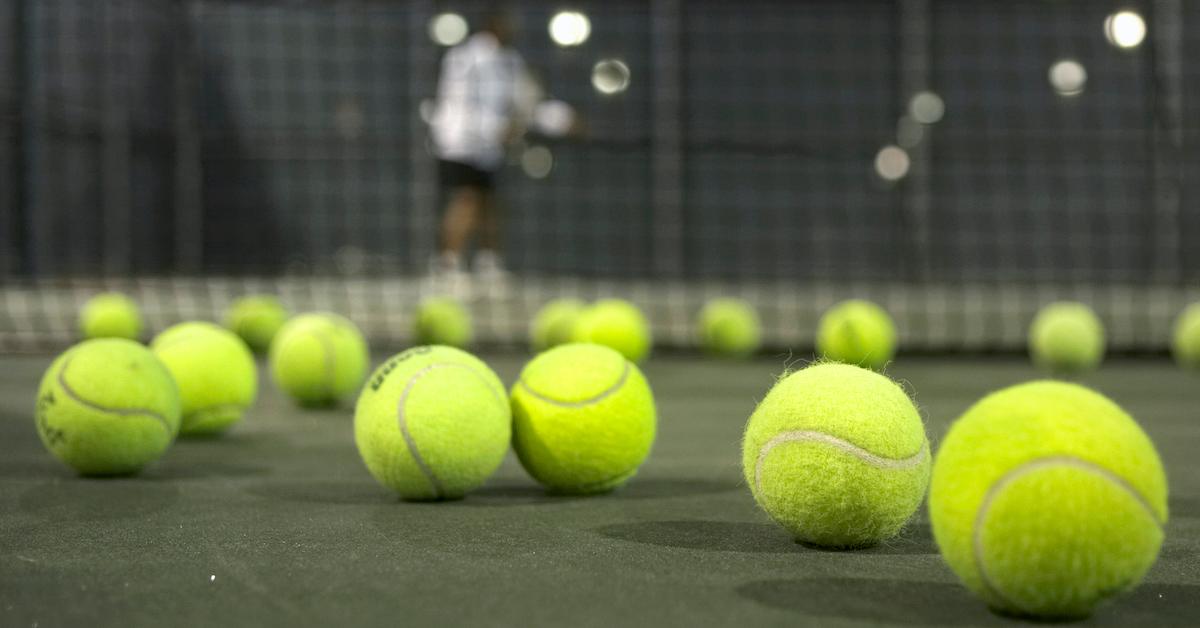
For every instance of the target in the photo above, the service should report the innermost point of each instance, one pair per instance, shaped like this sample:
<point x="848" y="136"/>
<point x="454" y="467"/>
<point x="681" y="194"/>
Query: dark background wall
<point x="260" y="137"/>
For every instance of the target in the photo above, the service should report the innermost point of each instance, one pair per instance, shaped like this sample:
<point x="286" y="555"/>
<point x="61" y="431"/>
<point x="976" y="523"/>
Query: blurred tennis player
<point x="486" y="100"/>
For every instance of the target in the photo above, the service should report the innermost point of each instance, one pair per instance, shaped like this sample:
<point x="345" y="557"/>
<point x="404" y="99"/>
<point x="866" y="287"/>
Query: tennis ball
<point x="583" y="419"/>
<point x="107" y="407"/>
<point x="110" y="315"/>
<point x="443" y="321"/>
<point x="554" y="323"/>
<point x="617" y="324"/>
<point x="857" y="332"/>
<point x="1185" y="338"/>
<point x="837" y="455"/>
<point x="215" y="372"/>
<point x="729" y="327"/>
<point x="256" y="320"/>
<point x="433" y="423"/>
<point x="318" y="358"/>
<point x="1066" y="337"/>
<point x="1046" y="499"/>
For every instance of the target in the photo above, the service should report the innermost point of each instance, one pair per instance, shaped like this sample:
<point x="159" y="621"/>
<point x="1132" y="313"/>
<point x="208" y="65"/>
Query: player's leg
<point x="459" y="224"/>
<point x="488" y="261"/>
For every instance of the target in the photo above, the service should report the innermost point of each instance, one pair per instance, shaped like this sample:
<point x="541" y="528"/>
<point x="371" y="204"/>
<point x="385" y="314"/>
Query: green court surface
<point x="279" y="524"/>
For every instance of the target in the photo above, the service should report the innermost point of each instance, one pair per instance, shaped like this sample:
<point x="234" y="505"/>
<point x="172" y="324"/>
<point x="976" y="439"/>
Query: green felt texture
<point x="1078" y="499"/>
<point x="1066" y="338"/>
<point x="443" y="321"/>
<point x="256" y="319"/>
<point x="215" y="372"/>
<point x="456" y="414"/>
<point x="107" y="407"/>
<point x="1185" y="337"/>
<point x="857" y="332"/>
<point x="617" y="324"/>
<point x="834" y="494"/>
<point x="583" y="418"/>
<point x="319" y="358"/>
<point x="110" y="315"/>
<point x="554" y="323"/>
<point x="729" y="328"/>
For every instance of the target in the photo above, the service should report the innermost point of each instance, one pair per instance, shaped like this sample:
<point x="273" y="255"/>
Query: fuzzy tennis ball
<point x="837" y="455"/>
<point x="583" y="419"/>
<point x="256" y="320"/>
<point x="554" y="323"/>
<point x="1066" y="337"/>
<point x="110" y="315"/>
<point x="107" y="407"/>
<point x="1185" y="338"/>
<point x="857" y="332"/>
<point x="443" y="321"/>
<point x="215" y="372"/>
<point x="318" y="358"/>
<point x="617" y="324"/>
<point x="729" y="327"/>
<point x="433" y="423"/>
<point x="1047" y="498"/>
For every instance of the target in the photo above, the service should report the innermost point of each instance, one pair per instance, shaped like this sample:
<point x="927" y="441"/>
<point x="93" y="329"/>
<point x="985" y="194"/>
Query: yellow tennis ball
<point x="443" y="321"/>
<point x="110" y="315"/>
<point x="857" y="332"/>
<point x="617" y="324"/>
<point x="256" y="319"/>
<point x="215" y="372"/>
<point x="583" y="419"/>
<point x="433" y="423"/>
<point x="1047" y="498"/>
<point x="729" y="327"/>
<point x="837" y="455"/>
<point x="554" y="323"/>
<point x="1066" y="337"/>
<point x="1185" y="337"/>
<point x="107" y="407"/>
<point x="319" y="358"/>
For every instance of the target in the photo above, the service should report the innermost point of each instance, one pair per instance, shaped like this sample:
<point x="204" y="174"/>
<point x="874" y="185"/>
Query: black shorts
<point x="454" y="174"/>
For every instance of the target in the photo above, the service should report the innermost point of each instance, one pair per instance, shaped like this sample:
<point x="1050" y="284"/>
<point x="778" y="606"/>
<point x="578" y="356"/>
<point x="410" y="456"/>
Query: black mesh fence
<point x="273" y="138"/>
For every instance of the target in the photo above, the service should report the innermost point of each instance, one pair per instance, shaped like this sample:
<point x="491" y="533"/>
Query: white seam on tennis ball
<point x="402" y="420"/>
<point x="812" y="436"/>
<point x="62" y="382"/>
<point x="611" y="390"/>
<point x="1017" y="473"/>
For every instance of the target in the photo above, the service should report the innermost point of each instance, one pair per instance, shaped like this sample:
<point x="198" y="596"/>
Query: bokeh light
<point x="1068" y="77"/>
<point x="1125" y="29"/>
<point x="891" y="163"/>
<point x="448" y="29"/>
<point x="926" y="107"/>
<point x="570" y="28"/>
<point x="610" y="76"/>
<point x="537" y="162"/>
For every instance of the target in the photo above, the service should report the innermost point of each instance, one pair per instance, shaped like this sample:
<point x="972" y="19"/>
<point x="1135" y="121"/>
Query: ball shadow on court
<point x="746" y="537"/>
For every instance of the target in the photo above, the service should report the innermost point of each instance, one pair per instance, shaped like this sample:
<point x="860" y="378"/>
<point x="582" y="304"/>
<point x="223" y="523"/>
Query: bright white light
<point x="610" y="76"/>
<point x="537" y="161"/>
<point x="891" y="163"/>
<point x="570" y="28"/>
<point x="554" y="118"/>
<point x="447" y="29"/>
<point x="909" y="132"/>
<point x="1125" y="29"/>
<point x="1068" y="77"/>
<point x="926" y="107"/>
